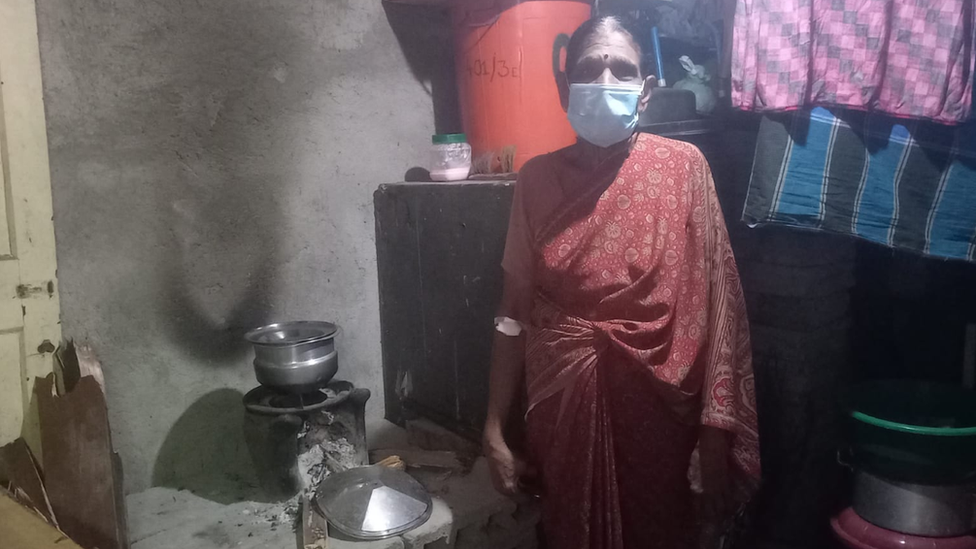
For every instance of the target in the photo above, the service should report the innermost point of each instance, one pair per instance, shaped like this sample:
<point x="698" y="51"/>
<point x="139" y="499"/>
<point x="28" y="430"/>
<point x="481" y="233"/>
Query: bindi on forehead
<point x="605" y="47"/>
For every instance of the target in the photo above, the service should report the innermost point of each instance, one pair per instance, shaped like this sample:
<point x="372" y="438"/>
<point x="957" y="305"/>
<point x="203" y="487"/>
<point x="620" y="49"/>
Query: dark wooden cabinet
<point x="439" y="249"/>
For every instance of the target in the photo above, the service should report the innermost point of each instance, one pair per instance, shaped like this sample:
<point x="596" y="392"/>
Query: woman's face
<point x="608" y="58"/>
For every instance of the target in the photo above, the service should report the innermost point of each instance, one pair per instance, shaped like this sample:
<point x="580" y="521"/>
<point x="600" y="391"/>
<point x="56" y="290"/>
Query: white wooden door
<point x="29" y="312"/>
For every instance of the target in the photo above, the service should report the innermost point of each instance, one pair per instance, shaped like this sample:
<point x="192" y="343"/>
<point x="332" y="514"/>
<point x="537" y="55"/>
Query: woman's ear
<point x="649" y="84"/>
<point x="562" y="83"/>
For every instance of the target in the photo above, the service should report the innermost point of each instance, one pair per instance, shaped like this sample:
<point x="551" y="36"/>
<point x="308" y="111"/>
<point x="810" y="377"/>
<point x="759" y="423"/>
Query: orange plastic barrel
<point x="508" y="55"/>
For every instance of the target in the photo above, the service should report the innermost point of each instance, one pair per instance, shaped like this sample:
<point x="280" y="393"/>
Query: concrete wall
<point x="213" y="163"/>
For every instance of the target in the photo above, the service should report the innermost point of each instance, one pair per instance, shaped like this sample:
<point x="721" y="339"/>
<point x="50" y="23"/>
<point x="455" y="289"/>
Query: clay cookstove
<point x="300" y="424"/>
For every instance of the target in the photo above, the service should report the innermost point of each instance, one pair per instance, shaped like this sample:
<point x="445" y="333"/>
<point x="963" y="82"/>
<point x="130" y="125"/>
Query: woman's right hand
<point x="509" y="473"/>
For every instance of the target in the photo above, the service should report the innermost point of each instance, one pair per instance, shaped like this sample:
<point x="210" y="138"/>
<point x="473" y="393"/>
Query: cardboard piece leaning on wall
<point x="21" y="527"/>
<point x="82" y="474"/>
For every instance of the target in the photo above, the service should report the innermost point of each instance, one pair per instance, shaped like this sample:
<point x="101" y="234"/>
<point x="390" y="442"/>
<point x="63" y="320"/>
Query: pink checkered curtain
<point x="907" y="58"/>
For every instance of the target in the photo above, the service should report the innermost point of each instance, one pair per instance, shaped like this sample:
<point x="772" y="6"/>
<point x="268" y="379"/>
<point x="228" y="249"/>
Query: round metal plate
<point x="373" y="502"/>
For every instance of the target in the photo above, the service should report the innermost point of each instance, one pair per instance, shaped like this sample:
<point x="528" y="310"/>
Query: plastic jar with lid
<point x="450" y="157"/>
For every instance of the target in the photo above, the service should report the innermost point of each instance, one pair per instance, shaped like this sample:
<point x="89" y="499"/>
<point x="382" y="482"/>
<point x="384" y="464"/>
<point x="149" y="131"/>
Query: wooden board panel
<point x="78" y="467"/>
<point x="439" y="250"/>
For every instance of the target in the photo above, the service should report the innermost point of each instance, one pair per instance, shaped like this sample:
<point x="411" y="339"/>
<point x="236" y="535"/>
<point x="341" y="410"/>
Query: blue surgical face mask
<point x="604" y="114"/>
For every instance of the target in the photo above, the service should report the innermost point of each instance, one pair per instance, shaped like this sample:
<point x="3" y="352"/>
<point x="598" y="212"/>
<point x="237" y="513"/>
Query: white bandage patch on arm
<point x="508" y="326"/>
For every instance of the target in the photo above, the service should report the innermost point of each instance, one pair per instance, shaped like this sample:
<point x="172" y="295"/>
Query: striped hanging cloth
<point x="904" y="184"/>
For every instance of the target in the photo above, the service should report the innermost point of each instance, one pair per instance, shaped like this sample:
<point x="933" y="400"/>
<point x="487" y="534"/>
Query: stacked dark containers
<point x="797" y="286"/>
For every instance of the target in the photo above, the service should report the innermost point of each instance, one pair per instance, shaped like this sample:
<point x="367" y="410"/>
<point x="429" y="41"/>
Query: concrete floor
<point x="468" y="514"/>
<point x="164" y="518"/>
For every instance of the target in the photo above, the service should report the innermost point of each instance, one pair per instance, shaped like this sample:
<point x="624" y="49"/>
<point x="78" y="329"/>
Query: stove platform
<point x="295" y="440"/>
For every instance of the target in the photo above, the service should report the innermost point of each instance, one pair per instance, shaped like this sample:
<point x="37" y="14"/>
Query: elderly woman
<point x="623" y="317"/>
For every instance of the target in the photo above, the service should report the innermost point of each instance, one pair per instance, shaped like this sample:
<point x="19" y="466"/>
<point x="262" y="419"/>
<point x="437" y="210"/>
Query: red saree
<point x="638" y="336"/>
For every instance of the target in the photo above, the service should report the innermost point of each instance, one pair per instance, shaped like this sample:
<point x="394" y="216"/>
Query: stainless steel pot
<point x="916" y="509"/>
<point x="296" y="357"/>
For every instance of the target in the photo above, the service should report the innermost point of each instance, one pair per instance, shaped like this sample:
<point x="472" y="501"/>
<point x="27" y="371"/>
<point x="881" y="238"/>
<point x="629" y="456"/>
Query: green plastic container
<point x="914" y="431"/>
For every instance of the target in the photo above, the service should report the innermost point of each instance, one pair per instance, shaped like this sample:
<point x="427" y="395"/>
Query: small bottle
<point x="450" y="157"/>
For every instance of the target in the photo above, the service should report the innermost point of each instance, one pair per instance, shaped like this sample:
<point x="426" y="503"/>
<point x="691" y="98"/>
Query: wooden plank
<point x="78" y="463"/>
<point x="22" y="528"/>
<point x="400" y="295"/>
<point x="18" y="467"/>
<point x="314" y="530"/>
<point x="414" y="457"/>
<point x="464" y="252"/>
